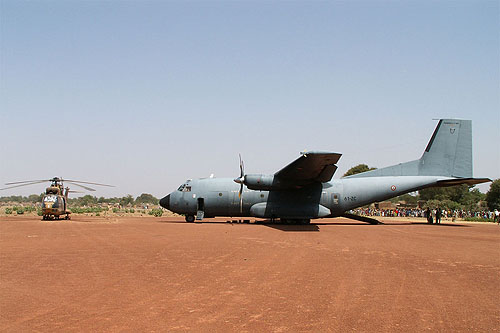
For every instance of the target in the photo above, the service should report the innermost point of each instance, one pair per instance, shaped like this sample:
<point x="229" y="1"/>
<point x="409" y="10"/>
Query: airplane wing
<point x="310" y="167"/>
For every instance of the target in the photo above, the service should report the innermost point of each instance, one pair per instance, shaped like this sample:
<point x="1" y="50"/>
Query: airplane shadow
<point x="292" y="227"/>
<point x="314" y="227"/>
<point x="436" y="224"/>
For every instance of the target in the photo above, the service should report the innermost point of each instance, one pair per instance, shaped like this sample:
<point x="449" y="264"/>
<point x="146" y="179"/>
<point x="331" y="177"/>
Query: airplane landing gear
<point x="190" y="218"/>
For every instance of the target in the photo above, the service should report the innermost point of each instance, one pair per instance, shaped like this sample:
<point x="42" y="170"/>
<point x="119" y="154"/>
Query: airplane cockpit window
<point x="184" y="188"/>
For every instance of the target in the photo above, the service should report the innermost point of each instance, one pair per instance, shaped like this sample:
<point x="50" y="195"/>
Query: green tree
<point x="358" y="169"/>
<point x="87" y="200"/>
<point x="408" y="198"/>
<point x="493" y="195"/>
<point x="146" y="198"/>
<point x="33" y="198"/>
<point x="129" y="199"/>
<point x="454" y="193"/>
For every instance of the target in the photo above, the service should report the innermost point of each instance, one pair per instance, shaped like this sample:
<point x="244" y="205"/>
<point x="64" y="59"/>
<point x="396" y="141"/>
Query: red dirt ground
<point x="163" y="274"/>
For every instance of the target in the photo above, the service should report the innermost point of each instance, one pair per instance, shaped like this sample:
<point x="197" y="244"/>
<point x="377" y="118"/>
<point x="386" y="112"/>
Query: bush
<point x="157" y="212"/>
<point x="20" y="210"/>
<point x="8" y="210"/>
<point x="39" y="212"/>
<point x="115" y="210"/>
<point x="132" y="210"/>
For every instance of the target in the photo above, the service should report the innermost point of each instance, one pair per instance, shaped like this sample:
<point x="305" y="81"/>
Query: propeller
<point x="53" y="180"/>
<point x="26" y="183"/>
<point x="241" y="180"/>
<point x="82" y="186"/>
<point x="82" y="182"/>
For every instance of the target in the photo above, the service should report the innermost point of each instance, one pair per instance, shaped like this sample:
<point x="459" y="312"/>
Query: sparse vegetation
<point x="157" y="212"/>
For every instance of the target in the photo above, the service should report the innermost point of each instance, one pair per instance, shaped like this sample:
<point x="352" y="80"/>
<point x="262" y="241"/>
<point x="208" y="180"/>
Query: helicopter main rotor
<point x="56" y="181"/>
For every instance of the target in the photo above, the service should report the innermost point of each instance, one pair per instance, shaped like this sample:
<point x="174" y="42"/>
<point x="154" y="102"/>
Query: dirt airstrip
<point x="163" y="274"/>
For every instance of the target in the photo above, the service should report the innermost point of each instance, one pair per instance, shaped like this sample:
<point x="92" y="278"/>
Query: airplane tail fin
<point x="448" y="154"/>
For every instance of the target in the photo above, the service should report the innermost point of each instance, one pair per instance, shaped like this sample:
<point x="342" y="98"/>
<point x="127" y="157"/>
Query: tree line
<point x="88" y="200"/>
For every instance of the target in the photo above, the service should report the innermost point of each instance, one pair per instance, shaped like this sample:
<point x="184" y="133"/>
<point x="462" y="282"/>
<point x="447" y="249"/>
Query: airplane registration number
<point x="351" y="198"/>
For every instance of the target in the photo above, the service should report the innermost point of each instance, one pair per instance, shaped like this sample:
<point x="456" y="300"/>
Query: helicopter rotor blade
<point x="82" y="182"/>
<point x="85" y="187"/>
<point x="29" y="181"/>
<point x="32" y="183"/>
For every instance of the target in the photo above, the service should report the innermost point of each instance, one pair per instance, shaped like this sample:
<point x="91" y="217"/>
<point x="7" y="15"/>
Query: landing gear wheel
<point x="67" y="217"/>
<point x="190" y="218"/>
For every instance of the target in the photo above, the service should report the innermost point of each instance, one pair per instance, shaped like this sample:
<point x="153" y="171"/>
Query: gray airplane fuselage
<point x="219" y="197"/>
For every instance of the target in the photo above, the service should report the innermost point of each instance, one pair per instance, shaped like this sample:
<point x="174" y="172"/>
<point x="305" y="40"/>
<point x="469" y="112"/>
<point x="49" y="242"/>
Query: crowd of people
<point x="436" y="214"/>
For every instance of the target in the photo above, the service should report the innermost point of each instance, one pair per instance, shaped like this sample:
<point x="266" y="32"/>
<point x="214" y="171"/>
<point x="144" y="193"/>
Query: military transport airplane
<point x="304" y="189"/>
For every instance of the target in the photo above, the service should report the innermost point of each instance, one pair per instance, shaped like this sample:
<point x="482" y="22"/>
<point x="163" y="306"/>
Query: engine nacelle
<point x="266" y="183"/>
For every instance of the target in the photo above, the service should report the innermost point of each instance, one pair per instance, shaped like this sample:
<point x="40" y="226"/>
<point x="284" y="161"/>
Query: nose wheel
<point x="190" y="218"/>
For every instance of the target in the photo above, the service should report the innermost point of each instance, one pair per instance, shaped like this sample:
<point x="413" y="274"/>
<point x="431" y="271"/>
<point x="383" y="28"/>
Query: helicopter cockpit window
<point x="50" y="198"/>
<point x="181" y="188"/>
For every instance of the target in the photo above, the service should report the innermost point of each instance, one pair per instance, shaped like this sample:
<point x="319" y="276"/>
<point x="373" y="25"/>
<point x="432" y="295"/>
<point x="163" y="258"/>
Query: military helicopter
<point x="54" y="202"/>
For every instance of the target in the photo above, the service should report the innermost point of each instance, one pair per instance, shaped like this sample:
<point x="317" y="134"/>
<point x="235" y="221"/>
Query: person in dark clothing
<point x="428" y="214"/>
<point x="438" y="215"/>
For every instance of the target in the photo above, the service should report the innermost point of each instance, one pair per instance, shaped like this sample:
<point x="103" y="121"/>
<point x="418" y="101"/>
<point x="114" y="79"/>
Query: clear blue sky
<point x="145" y="94"/>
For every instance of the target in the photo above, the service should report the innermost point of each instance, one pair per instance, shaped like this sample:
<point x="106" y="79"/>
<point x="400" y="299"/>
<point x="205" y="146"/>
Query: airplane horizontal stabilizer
<point x="458" y="181"/>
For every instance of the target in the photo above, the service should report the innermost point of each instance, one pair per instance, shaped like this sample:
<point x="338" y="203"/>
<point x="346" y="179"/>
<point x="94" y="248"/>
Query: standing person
<point x="438" y="215"/>
<point x="497" y="216"/>
<point x="428" y="214"/>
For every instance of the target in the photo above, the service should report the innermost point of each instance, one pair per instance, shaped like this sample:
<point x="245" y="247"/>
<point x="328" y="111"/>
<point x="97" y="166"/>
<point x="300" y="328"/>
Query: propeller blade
<point x="241" y="201"/>
<point x="82" y="182"/>
<point x="82" y="186"/>
<point x="241" y="181"/>
<point x="242" y="172"/>
<point x="32" y="183"/>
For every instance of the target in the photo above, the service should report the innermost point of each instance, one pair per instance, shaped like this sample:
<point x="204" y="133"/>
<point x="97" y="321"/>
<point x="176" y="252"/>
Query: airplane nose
<point x="165" y="202"/>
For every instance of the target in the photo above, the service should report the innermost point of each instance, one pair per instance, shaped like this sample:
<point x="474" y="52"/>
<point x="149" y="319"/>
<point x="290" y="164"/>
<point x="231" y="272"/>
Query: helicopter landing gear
<point x="67" y="217"/>
<point x="190" y="218"/>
